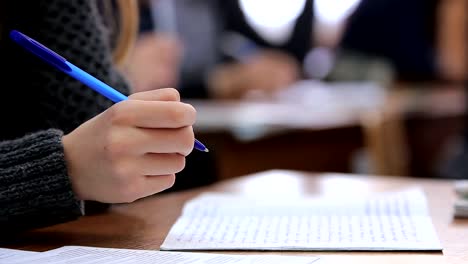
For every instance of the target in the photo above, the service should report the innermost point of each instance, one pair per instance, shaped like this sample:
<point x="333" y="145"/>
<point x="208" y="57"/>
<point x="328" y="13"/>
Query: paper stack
<point x="92" y="255"/>
<point x="387" y="221"/>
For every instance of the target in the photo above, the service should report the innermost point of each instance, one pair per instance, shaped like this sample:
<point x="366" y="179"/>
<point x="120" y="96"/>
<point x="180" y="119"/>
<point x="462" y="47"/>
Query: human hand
<point x="264" y="73"/>
<point x="270" y="70"/>
<point x="131" y="150"/>
<point x="154" y="62"/>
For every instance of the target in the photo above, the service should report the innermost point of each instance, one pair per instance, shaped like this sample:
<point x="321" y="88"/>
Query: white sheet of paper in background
<point x="92" y="255"/>
<point x="391" y="221"/>
<point x="7" y="255"/>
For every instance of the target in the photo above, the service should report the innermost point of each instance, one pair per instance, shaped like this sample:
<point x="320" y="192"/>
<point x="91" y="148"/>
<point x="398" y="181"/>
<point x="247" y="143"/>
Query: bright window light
<point x="273" y="19"/>
<point x="334" y="11"/>
<point x="272" y="13"/>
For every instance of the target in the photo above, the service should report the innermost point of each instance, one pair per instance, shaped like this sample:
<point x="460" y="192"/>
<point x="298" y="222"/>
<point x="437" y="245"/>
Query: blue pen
<point x="62" y="64"/>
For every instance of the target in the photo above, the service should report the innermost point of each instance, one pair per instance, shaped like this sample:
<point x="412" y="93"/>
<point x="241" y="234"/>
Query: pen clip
<point x="40" y="50"/>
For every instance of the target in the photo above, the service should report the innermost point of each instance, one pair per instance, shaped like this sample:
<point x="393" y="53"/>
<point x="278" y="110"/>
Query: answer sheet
<point x="93" y="255"/>
<point x="390" y="221"/>
<point x="7" y="255"/>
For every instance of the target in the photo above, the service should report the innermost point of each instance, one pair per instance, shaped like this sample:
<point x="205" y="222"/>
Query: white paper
<point x="392" y="221"/>
<point x="93" y="255"/>
<point x="7" y="255"/>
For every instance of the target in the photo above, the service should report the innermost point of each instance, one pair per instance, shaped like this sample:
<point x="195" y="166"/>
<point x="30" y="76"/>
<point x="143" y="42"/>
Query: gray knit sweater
<point x="37" y="108"/>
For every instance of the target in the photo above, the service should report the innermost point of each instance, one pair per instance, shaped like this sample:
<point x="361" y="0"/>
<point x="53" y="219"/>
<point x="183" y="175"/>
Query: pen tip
<point x="206" y="150"/>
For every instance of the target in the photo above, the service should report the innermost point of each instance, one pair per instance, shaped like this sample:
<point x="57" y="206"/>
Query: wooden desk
<point x="145" y="223"/>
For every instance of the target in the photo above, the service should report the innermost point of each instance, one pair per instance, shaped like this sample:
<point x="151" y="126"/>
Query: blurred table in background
<point x="430" y="118"/>
<point x="341" y="127"/>
<point x="311" y="126"/>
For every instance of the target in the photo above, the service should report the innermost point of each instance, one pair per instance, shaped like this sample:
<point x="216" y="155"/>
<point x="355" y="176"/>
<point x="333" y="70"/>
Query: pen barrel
<point x="108" y="91"/>
<point x="95" y="84"/>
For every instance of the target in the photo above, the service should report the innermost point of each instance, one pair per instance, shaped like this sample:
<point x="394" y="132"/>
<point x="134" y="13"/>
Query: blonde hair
<point x="127" y="30"/>
<point x="128" y="19"/>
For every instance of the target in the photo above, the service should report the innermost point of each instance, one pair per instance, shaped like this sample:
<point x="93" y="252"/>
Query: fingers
<point x="152" y="164"/>
<point x="163" y="141"/>
<point x="153" y="114"/>
<point x="150" y="174"/>
<point x="145" y="186"/>
<point x="164" y="94"/>
<point x="155" y="184"/>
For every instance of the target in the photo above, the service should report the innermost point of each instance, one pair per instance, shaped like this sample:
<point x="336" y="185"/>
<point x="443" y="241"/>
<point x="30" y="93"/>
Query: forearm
<point x="34" y="186"/>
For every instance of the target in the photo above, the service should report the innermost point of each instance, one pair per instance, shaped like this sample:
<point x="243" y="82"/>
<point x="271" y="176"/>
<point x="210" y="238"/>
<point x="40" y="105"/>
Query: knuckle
<point x="171" y="93"/>
<point x="187" y="140"/>
<point x="121" y="113"/>
<point x="179" y="163"/>
<point x="178" y="114"/>
<point x="122" y="173"/>
<point x="170" y="181"/>
<point x="182" y="114"/>
<point x="115" y="146"/>
<point x="191" y="114"/>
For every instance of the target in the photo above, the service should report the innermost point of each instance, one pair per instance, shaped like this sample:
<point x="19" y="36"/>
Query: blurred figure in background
<point x="395" y="32"/>
<point x="154" y="62"/>
<point x="227" y="49"/>
<point x="422" y="41"/>
<point x="453" y="45"/>
<point x="263" y="45"/>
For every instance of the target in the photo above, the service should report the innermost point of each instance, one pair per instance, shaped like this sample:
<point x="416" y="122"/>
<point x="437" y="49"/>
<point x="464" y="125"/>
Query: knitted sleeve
<point x="76" y="30"/>
<point x="34" y="187"/>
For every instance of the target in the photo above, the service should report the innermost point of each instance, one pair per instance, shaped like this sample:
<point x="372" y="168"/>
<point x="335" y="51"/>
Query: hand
<point x="154" y="62"/>
<point x="270" y="71"/>
<point x="265" y="72"/>
<point x="131" y="150"/>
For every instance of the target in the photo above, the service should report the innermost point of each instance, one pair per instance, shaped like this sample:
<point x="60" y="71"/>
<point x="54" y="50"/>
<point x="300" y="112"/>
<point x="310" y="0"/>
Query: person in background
<point x="154" y="62"/>
<point x="453" y="44"/>
<point x="400" y="33"/>
<point x="422" y="40"/>
<point x="61" y="144"/>
<point x="211" y="69"/>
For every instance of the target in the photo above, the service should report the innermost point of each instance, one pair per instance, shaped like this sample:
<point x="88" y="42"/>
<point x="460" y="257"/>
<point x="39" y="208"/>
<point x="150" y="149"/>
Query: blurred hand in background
<point x="154" y="62"/>
<point x="261" y="74"/>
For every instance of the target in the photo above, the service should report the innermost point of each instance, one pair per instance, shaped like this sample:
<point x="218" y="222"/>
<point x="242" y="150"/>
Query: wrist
<point x="71" y="167"/>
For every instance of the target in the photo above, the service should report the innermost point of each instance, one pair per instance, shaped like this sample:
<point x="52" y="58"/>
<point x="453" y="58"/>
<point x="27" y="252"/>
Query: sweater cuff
<point x="35" y="189"/>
